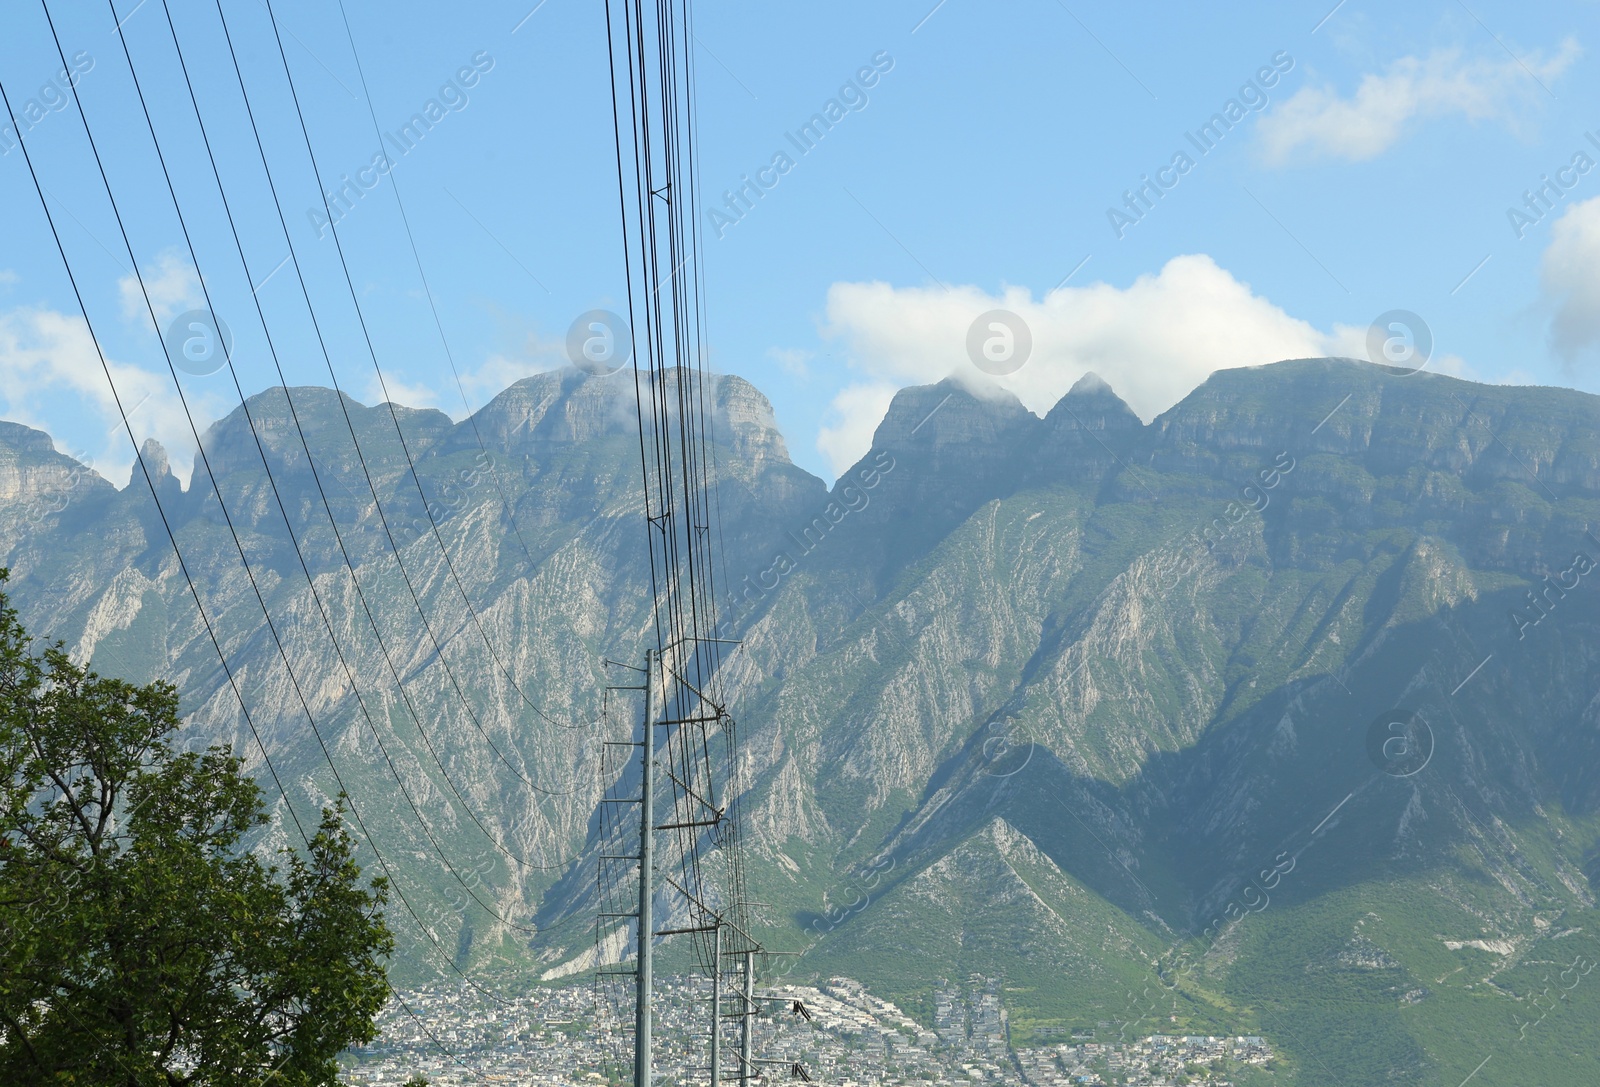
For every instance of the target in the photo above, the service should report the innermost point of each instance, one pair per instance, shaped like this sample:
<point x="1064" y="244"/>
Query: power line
<point x="294" y="259"/>
<point x="383" y="385"/>
<point x="355" y="812"/>
<point x="652" y="82"/>
<point x="433" y="306"/>
<point x="144" y="468"/>
<point x="161" y="513"/>
<point x="204" y="458"/>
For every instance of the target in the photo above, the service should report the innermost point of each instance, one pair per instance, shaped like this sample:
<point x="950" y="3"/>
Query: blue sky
<point x="979" y="171"/>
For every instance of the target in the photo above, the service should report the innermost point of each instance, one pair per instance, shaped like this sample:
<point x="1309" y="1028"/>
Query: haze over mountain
<point x="1275" y="715"/>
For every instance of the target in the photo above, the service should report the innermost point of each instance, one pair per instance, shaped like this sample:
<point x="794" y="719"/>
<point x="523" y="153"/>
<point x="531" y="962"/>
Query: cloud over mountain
<point x="1208" y="321"/>
<point x="1569" y="280"/>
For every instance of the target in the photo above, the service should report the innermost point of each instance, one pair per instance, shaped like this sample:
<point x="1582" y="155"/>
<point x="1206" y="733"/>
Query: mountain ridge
<point x="1136" y="666"/>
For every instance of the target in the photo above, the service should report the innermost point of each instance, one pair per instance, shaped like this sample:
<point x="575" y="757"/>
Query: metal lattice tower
<point x="687" y="825"/>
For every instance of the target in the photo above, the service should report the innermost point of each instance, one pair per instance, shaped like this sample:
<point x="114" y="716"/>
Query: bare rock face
<point x="154" y="458"/>
<point x="1087" y="437"/>
<point x="744" y="419"/>
<point x="31" y="469"/>
<point x="560" y="406"/>
<point x="942" y="451"/>
<point x="950" y="416"/>
<point x="153" y="470"/>
<point x="21" y="440"/>
<point x="572" y="406"/>
<point x="41" y="488"/>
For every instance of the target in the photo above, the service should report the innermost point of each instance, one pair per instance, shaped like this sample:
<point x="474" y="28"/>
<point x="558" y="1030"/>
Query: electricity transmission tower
<point x="687" y="823"/>
<point x="721" y="927"/>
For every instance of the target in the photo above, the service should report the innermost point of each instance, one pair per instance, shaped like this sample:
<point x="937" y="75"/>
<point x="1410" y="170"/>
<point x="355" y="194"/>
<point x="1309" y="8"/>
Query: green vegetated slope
<point x="1191" y="722"/>
<point x="1094" y="707"/>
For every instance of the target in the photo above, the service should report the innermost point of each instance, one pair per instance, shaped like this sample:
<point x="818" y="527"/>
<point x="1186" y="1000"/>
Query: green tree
<point x="140" y="943"/>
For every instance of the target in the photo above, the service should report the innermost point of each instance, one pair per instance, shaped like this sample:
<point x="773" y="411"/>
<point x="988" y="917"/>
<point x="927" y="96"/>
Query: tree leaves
<point x="138" y="944"/>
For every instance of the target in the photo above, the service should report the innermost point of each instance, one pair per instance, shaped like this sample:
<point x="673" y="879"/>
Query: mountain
<point x="1276" y="715"/>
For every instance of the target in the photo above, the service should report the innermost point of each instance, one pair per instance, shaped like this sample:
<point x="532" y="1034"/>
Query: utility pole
<point x="642" y="1071"/>
<point x="746" y="1022"/>
<point x="716" y="1004"/>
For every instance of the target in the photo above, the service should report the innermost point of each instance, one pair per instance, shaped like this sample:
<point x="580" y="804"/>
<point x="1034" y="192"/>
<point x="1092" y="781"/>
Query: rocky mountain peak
<point x="1090" y="382"/>
<point x="562" y="406"/>
<point x="1087" y="435"/>
<point x="1091" y="404"/>
<point x="277" y="418"/>
<point x="154" y="456"/>
<point x="952" y="414"/>
<point x="942" y="450"/>
<point x="570" y="405"/>
<point x="30" y="467"/>
<point x="16" y="438"/>
<point x="22" y="450"/>
<point x="746" y="420"/>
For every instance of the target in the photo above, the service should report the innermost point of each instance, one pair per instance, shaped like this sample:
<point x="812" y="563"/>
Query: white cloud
<point x="439" y="389"/>
<point x="1350" y="342"/>
<point x="400" y="391"/>
<point x="1153" y="341"/>
<point x="50" y="372"/>
<point x="9" y="278"/>
<point x="792" y="361"/>
<point x="1319" y="121"/>
<point x="1570" y="280"/>
<point x="499" y="371"/>
<point x="857" y="409"/>
<point x="172" y="285"/>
